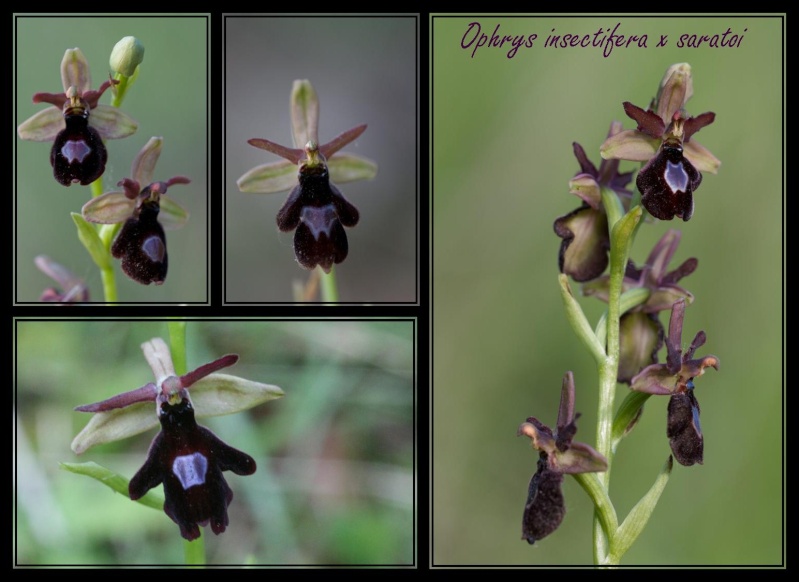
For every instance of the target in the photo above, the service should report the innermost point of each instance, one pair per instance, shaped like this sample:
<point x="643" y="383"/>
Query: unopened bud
<point x="128" y="53"/>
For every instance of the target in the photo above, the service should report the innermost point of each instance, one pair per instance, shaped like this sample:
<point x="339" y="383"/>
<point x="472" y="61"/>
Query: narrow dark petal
<point x="683" y="428"/>
<point x="674" y="357"/>
<point x="648" y="121"/>
<point x="146" y="393"/>
<point x="78" y="153"/>
<point x="586" y="165"/>
<point x="347" y="213"/>
<point x="694" y="124"/>
<point x="57" y="99"/>
<point x="566" y="409"/>
<point x="293" y="155"/>
<point x="667" y="183"/>
<point x="545" y="507"/>
<point x="341" y="140"/>
<point x="201" y="372"/>
<point x="131" y="188"/>
<point x="688" y="267"/>
<point x="699" y="341"/>
<point x="141" y="244"/>
<point x="288" y="217"/>
<point x="320" y="239"/>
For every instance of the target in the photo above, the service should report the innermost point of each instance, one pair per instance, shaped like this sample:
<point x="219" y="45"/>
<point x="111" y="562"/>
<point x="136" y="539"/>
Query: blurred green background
<point x="169" y="99"/>
<point x="364" y="70"/>
<point x="335" y="455"/>
<point x="502" y="159"/>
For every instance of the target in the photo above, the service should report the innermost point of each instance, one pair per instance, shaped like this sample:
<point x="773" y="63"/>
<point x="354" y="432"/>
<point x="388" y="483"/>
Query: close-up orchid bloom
<point x="315" y="207"/>
<point x="187" y="458"/>
<point x="76" y="123"/>
<point x="145" y="210"/>
<point x="662" y="139"/>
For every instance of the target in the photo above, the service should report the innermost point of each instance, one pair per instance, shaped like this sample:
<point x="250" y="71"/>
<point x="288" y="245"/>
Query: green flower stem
<point x="329" y="289"/>
<point x="621" y="238"/>
<point x="177" y="341"/>
<point x="604" y="510"/>
<point x="194" y="552"/>
<point x="97" y="187"/>
<point x="120" y="90"/>
<point x="107" y="275"/>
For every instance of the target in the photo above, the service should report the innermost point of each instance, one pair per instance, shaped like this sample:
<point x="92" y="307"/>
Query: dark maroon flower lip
<point x="189" y="460"/>
<point x="559" y="454"/>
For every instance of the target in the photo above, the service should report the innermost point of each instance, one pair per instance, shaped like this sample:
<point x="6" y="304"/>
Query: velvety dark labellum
<point x="545" y="507"/>
<point x="683" y="428"/>
<point x="189" y="459"/>
<point x="667" y="183"/>
<point x="141" y="244"/>
<point x="78" y="153"/>
<point x="319" y="211"/>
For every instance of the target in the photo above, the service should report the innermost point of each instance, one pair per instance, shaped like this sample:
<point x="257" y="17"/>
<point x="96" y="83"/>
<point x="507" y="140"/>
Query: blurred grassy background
<point x="502" y="158"/>
<point x="335" y="478"/>
<point x="364" y="71"/>
<point x="169" y="99"/>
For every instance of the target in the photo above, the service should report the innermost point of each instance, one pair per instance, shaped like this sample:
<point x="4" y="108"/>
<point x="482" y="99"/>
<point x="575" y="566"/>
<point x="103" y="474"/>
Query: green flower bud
<point x="126" y="56"/>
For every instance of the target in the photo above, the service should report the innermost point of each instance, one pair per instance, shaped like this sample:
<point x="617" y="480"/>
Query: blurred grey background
<point x="169" y="99"/>
<point x="364" y="71"/>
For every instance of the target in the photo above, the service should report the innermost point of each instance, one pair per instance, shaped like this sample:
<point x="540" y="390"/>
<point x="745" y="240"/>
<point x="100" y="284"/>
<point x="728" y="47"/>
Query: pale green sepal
<point x="91" y="240"/>
<point x="43" y="125"/>
<point x="110" y="208"/>
<point x="630" y="145"/>
<point x="269" y="178"/>
<point x="214" y="395"/>
<point x="627" y="416"/>
<point x="111" y="123"/>
<point x="578" y="321"/>
<point x="115" y="481"/>
<point x="141" y="169"/>
<point x="114" y="425"/>
<point x="349" y="167"/>
<point x="639" y="515"/>
<point x="172" y="214"/>
<point x="75" y="71"/>
<point x="218" y="394"/>
<point x="700" y="157"/>
<point x="304" y="113"/>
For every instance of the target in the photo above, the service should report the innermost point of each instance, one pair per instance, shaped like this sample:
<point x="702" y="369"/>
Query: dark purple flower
<point x="662" y="139"/>
<point x="76" y="124"/>
<point x="641" y="335"/>
<point x="141" y="243"/>
<point x="586" y="241"/>
<point x="558" y="455"/>
<point x="187" y="458"/>
<point x="675" y="378"/>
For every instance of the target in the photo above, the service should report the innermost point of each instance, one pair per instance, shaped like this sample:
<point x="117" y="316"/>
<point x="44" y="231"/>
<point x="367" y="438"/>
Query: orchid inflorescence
<point x="628" y="338"/>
